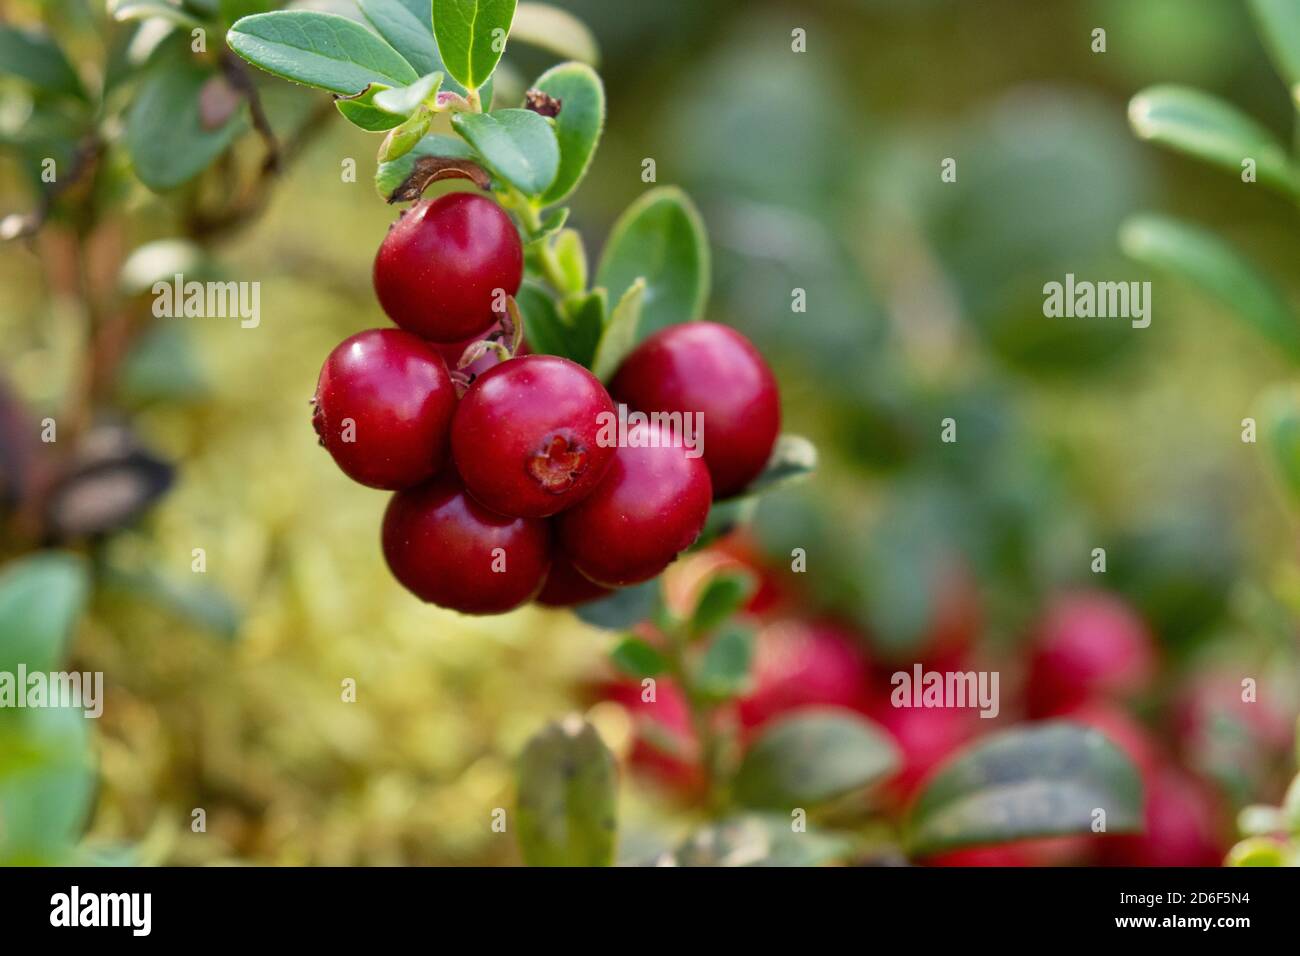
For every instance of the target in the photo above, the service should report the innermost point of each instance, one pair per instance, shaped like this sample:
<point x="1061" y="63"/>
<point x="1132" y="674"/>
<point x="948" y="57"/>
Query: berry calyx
<point x="650" y="506"/>
<point x="446" y="264"/>
<point x="527" y="436"/>
<point x="711" y="369"/>
<point x="448" y="550"/>
<point x="383" y="408"/>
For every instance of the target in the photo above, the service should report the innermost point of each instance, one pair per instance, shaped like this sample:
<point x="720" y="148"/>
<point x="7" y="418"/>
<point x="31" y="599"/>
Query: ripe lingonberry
<point x="714" y="370"/>
<point x="1181" y="826"/>
<point x="447" y="549"/>
<point x="525" y="436"/>
<point x="565" y="587"/>
<point x="383" y="408"/>
<point x="650" y="506"/>
<point x="442" y="263"/>
<point x="1089" y="645"/>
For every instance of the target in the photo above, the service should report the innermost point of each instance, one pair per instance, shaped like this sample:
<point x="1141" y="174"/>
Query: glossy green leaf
<point x="407" y="25"/>
<point x="518" y="146"/>
<point x="812" y="756"/>
<point x="578" y="127"/>
<point x="361" y="111"/>
<point x="390" y="177"/>
<point x="636" y="658"/>
<point x="1203" y="258"/>
<point x="1279" y="26"/>
<point x="47" y="784"/>
<point x="571" y="257"/>
<point x="724" y="668"/>
<point x="1047" y="779"/>
<point x="41" y="598"/>
<point x="406" y="100"/>
<point x="1212" y="130"/>
<point x="36" y="58"/>
<point x="557" y="31"/>
<point x="660" y="238"/>
<point x="567" y="797"/>
<point x="623" y="608"/>
<point x="545" y="328"/>
<point x="404" y="138"/>
<point x="165" y="135"/>
<point x="124" y="10"/>
<point x="323" y="50"/>
<point x="585" y="314"/>
<point x="760" y="840"/>
<point x="724" y="594"/>
<point x="471" y="36"/>
<point x="620" y="334"/>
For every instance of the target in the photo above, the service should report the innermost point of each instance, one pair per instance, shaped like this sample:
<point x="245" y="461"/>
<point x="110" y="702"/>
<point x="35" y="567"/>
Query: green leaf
<point x="585" y="313"/>
<point x="402" y="139"/>
<point x="390" y="177"/>
<point x="567" y="797"/>
<point x="578" y="127"/>
<point x="760" y="840"/>
<point x="724" y="594"/>
<point x="124" y="10"/>
<point x="556" y="31"/>
<point x="47" y="784"/>
<point x="619" y="336"/>
<point x="724" y="670"/>
<point x="36" y="58"/>
<point x="571" y="257"/>
<point x="1206" y="260"/>
<point x="360" y="110"/>
<point x="165" y="135"/>
<point x="546" y="330"/>
<point x="1212" y="130"/>
<point x="1257" y="851"/>
<point x="637" y="658"/>
<point x="517" y="146"/>
<point x="472" y="36"/>
<point x="41" y="598"/>
<point x="660" y="238"/>
<point x="812" y="756"/>
<point x="1279" y="25"/>
<point x="623" y="608"/>
<point x="793" y="458"/>
<point x="406" y="100"/>
<point x="323" y="50"/>
<point x="407" y="25"/>
<point x="1043" y="780"/>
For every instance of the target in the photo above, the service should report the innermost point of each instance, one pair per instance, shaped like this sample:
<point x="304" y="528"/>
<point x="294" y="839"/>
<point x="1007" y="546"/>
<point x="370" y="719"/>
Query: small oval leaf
<point x="578" y="127"/>
<point x="517" y="145"/>
<point x="471" y="37"/>
<point x="41" y="598"/>
<point x="567" y="797"/>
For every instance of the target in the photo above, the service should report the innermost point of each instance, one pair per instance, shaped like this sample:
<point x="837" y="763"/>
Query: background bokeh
<point x="817" y="171"/>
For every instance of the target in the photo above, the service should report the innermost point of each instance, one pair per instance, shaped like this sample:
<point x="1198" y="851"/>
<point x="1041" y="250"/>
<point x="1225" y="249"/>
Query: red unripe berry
<point x="527" y="435"/>
<point x="650" y="506"/>
<point x="565" y="587"/>
<point x="383" y="408"/>
<point x="439" y="269"/>
<point x="712" y="369"/>
<point x="798" y="664"/>
<point x="448" y="550"/>
<point x="1088" y="645"/>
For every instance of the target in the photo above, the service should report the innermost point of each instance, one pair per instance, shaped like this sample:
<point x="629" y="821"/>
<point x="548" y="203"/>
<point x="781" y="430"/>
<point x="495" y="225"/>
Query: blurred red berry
<point x="1181" y="826"/>
<point x="664" y="745"/>
<point x="926" y="736"/>
<point x="1088" y="645"/>
<point x="800" y="663"/>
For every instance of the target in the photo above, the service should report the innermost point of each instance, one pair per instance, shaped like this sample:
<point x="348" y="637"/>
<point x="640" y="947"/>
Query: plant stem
<point x="532" y="220"/>
<point x="701" y="717"/>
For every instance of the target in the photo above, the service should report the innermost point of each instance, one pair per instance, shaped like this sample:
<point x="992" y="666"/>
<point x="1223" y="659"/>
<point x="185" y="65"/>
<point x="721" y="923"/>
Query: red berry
<point x="714" y="370"/>
<point x="527" y="436"/>
<point x="665" y="744"/>
<point x="650" y="506"/>
<point x="440" y="266"/>
<point x="448" y="550"/>
<point x="383" y="408"/>
<point x="1089" y="645"/>
<point x="1180" y="826"/>
<point x="800" y="664"/>
<point x="926" y="736"/>
<point x="565" y="587"/>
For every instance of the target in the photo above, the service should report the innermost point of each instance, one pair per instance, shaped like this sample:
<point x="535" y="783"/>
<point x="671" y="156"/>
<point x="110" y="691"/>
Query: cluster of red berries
<point x="512" y="491"/>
